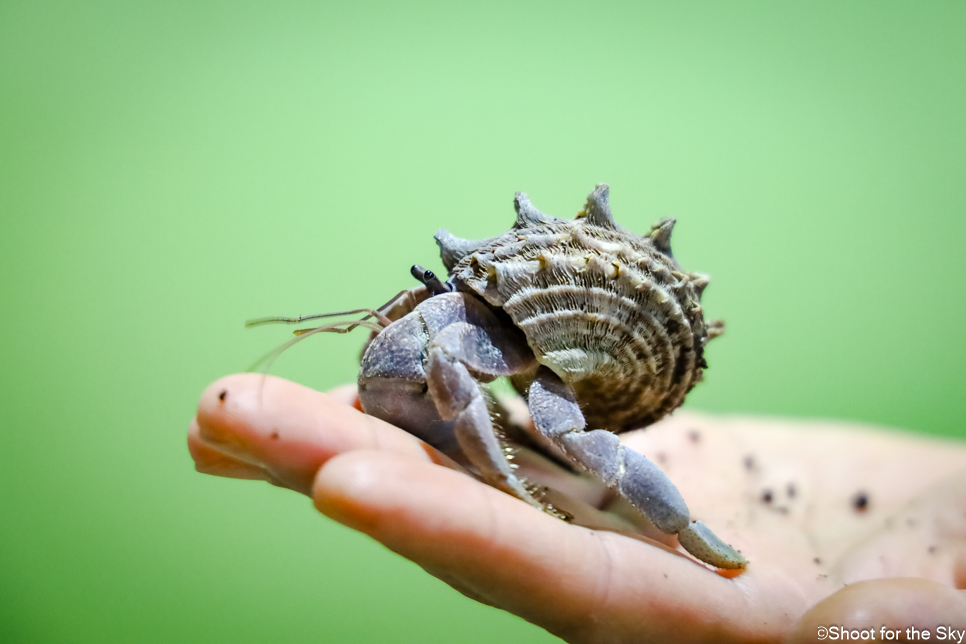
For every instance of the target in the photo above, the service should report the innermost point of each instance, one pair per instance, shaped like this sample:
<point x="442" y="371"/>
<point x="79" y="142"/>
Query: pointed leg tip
<point x="704" y="545"/>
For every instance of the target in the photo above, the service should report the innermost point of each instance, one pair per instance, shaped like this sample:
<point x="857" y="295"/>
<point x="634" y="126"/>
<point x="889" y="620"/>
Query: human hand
<point x="788" y="495"/>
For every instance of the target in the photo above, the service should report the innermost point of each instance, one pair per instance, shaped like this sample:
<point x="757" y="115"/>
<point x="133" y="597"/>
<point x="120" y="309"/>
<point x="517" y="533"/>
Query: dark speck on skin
<point x="694" y="436"/>
<point x="766" y="496"/>
<point x="661" y="458"/>
<point x="749" y="462"/>
<point x="792" y="491"/>
<point x="860" y="502"/>
<point x="275" y="435"/>
<point x="223" y="395"/>
<point x="818" y="562"/>
<point x="932" y="549"/>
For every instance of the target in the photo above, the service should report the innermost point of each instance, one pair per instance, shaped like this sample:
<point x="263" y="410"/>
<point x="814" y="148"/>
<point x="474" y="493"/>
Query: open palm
<point x="815" y="507"/>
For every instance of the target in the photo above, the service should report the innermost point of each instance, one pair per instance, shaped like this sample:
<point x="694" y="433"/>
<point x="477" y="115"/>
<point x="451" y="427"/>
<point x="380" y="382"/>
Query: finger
<point x="580" y="584"/>
<point x="885" y="605"/>
<point x="227" y="446"/>
<point x="289" y="431"/>
<point x="346" y="394"/>
<point x="578" y="495"/>
<point x="211" y="461"/>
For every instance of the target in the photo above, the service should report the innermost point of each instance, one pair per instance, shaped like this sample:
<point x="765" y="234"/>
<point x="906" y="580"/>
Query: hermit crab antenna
<point x="429" y="279"/>
<point x="345" y="326"/>
<point x="527" y="214"/>
<point x="597" y="208"/>
<point x="383" y="320"/>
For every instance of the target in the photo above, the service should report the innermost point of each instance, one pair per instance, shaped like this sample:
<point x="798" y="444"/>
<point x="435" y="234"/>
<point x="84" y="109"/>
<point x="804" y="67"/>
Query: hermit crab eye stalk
<point x="429" y="279"/>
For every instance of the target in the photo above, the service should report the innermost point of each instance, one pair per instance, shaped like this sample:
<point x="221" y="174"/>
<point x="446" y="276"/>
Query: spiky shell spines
<point x="610" y="312"/>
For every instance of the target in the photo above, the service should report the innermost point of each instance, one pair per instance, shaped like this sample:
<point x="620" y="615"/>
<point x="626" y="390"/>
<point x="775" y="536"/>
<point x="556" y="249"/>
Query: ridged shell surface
<point x="608" y="311"/>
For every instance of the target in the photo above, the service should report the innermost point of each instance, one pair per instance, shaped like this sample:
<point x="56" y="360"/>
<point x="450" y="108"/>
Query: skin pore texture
<point x="843" y="524"/>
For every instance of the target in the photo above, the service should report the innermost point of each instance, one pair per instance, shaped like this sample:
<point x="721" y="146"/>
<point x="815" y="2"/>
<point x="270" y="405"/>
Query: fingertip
<point x="344" y="485"/>
<point x="208" y="460"/>
<point x="358" y="487"/>
<point x="401" y="499"/>
<point x="218" y="394"/>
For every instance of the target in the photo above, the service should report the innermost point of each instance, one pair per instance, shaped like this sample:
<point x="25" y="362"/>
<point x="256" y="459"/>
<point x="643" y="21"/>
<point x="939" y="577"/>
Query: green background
<point x="168" y="170"/>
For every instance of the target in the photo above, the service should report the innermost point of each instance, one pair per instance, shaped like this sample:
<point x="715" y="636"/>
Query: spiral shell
<point x="610" y="312"/>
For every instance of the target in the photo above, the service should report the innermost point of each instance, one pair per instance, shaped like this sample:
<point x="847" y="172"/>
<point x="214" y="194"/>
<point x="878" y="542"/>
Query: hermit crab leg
<point x="457" y="356"/>
<point x="557" y="416"/>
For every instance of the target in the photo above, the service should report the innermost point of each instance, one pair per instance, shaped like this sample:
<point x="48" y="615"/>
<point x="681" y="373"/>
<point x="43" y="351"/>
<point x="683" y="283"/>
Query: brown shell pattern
<point x="608" y="311"/>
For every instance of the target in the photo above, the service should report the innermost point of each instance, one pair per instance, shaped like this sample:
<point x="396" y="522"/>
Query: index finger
<point x="272" y="425"/>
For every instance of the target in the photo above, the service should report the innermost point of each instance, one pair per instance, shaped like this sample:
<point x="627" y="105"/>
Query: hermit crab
<point x="597" y="328"/>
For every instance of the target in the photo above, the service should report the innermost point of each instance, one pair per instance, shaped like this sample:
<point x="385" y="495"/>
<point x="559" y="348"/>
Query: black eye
<point x="429" y="279"/>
